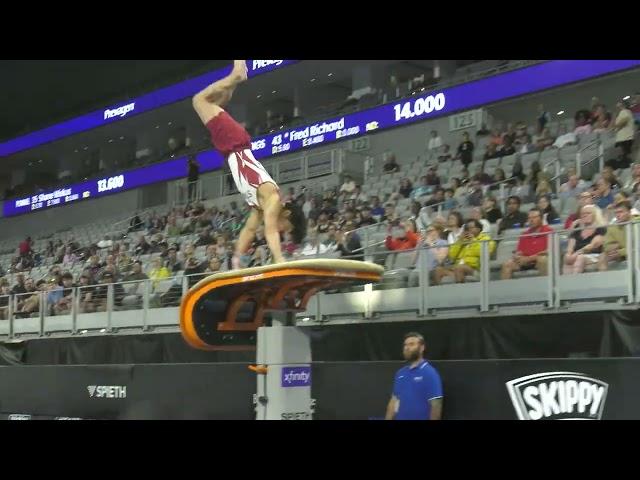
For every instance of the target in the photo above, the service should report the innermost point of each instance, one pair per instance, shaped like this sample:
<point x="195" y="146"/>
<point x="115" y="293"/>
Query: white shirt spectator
<point x="434" y="143"/>
<point x="306" y="208"/>
<point x="627" y="132"/>
<point x="105" y="243"/>
<point x="348" y="186"/>
<point x="566" y="139"/>
<point x="310" y="249"/>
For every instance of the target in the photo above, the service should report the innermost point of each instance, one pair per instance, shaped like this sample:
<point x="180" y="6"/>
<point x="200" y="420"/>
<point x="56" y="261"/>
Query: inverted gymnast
<point x="254" y="183"/>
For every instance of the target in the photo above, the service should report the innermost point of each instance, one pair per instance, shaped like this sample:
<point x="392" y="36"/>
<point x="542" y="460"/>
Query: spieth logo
<point x="558" y="396"/>
<point x="120" y="111"/>
<point x="257" y="64"/>
<point x="107" y="391"/>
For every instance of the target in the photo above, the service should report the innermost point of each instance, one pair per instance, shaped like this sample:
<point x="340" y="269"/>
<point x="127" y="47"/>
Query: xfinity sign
<point x="558" y="396"/>
<point x="120" y="111"/>
<point x="296" y="376"/>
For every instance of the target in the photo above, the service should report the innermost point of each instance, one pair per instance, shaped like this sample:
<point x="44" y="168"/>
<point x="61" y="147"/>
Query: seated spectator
<point x="423" y="189"/>
<point x="465" y="254"/>
<point x="491" y="211"/>
<point x="391" y="166"/>
<point x="477" y="213"/>
<point x="609" y="175"/>
<point x="481" y="177"/>
<point x="69" y="258"/>
<point x="402" y="236"/>
<point x="635" y="177"/>
<point x="498" y="178"/>
<point x="475" y="193"/>
<point x="106" y="242"/>
<point x="142" y="247"/>
<point x="495" y="138"/>
<point x="313" y="246"/>
<point x="172" y="262"/>
<point x="445" y="156"/>
<point x="454" y="227"/>
<point x="459" y="191"/>
<point x="136" y="273"/>
<point x="603" y="193"/>
<point x="583" y="124"/>
<point x="543" y="186"/>
<point x="585" y="244"/>
<point x="390" y="214"/>
<point x="213" y="266"/>
<point x="348" y="242"/>
<point x="437" y="199"/>
<point x="549" y="214"/>
<point x="135" y="224"/>
<point x="464" y="176"/>
<point x="585" y="198"/>
<point x="509" y="133"/>
<point x="507" y="148"/>
<point x="434" y="143"/>
<point x="634" y="106"/>
<point x="405" y="188"/>
<point x="5" y="293"/>
<point x="615" y="240"/>
<point x="433" y="247"/>
<point x="432" y="177"/>
<point x="366" y="218"/>
<point x="532" y="249"/>
<point x="572" y="187"/>
<point x="514" y="218"/>
<point x="158" y="272"/>
<point x="349" y="185"/>
<point x="491" y="151"/>
<point x="377" y="210"/>
<point x="357" y="195"/>
<point x="323" y="223"/>
<point x="328" y="209"/>
<point x="521" y="136"/>
<point x="565" y="138"/>
<point x="465" y="150"/>
<point x="449" y="201"/>
<point x="193" y="271"/>
<point x="205" y="238"/>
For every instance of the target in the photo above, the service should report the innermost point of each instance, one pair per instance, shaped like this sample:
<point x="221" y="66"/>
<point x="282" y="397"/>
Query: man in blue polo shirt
<point x="417" y="389"/>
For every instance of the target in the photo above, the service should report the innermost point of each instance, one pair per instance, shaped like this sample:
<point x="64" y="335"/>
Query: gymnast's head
<point x="292" y="220"/>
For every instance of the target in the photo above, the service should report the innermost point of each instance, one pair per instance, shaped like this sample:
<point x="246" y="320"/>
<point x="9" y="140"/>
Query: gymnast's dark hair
<point x="298" y="222"/>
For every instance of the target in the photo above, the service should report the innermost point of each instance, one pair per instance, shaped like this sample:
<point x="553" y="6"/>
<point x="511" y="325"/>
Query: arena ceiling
<point x="38" y="93"/>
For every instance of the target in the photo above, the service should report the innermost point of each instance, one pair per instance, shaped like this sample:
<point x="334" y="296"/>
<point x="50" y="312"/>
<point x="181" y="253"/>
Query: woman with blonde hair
<point x="585" y="242"/>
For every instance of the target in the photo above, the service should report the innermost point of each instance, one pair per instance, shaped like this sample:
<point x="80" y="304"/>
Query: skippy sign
<point x="558" y="396"/>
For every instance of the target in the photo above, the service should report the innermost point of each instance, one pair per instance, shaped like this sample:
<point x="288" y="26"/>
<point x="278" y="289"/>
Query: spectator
<point x="544" y="117"/>
<point x="585" y="198"/>
<point x="459" y="191"/>
<point x="572" y="187"/>
<point x="585" y="244"/>
<point x="465" y="253"/>
<point x="69" y="258"/>
<point x="477" y="213"/>
<point x="106" y="242"/>
<point x="328" y="209"/>
<point x="402" y="236"/>
<point x="213" y="266"/>
<point x="475" y="193"/>
<point x="158" y="272"/>
<point x="454" y="227"/>
<point x="615" y="240"/>
<point x="193" y="175"/>
<point x="583" y="122"/>
<point x="349" y="185"/>
<point x="635" y="107"/>
<point x="549" y="213"/>
<point x="481" y="176"/>
<point x="449" y="201"/>
<point x="508" y="147"/>
<point x="514" y="218"/>
<point x="483" y="132"/>
<point x="391" y="166"/>
<point x="565" y="138"/>
<point x="491" y="211"/>
<point x="367" y="219"/>
<point x="142" y="247"/>
<point x="205" y="238"/>
<point x="532" y="249"/>
<point x="509" y="133"/>
<point x="603" y="193"/>
<point x="389" y="213"/>
<point x="635" y="177"/>
<point x="313" y="246"/>
<point x="498" y="178"/>
<point x="25" y="247"/>
<point x="445" y="156"/>
<point x="423" y="189"/>
<point x="405" y="188"/>
<point x="348" y="242"/>
<point x="5" y="293"/>
<point x="495" y="138"/>
<point x="432" y="177"/>
<point x="172" y="262"/>
<point x="434" y="247"/>
<point x="624" y="127"/>
<point x="491" y="151"/>
<point x="601" y="120"/>
<point x="136" y="272"/>
<point x="435" y="142"/>
<point x="437" y="199"/>
<point x="465" y="150"/>
<point x="135" y="224"/>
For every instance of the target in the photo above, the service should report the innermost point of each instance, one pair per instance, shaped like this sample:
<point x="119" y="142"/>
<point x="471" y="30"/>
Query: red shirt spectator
<point x="25" y="246"/>
<point x="534" y="241"/>
<point x="404" y="240"/>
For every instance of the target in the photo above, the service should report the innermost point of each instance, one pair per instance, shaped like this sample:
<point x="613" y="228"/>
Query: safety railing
<point x="421" y="289"/>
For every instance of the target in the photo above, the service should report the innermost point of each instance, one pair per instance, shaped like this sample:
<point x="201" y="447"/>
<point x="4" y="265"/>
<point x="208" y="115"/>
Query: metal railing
<point x="142" y="305"/>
